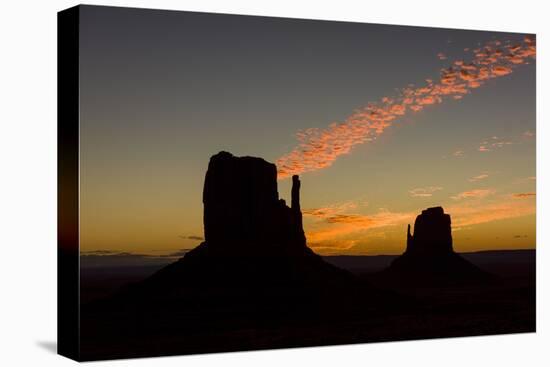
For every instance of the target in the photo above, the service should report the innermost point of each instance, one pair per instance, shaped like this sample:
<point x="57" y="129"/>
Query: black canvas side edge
<point x="68" y="304"/>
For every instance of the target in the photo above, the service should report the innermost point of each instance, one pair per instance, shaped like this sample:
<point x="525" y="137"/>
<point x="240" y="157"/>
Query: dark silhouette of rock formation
<point x="253" y="240"/>
<point x="432" y="233"/>
<point x="429" y="258"/>
<point x="242" y="210"/>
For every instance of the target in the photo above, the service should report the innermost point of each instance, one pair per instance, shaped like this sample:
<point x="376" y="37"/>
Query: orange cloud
<point x="333" y="210"/>
<point x="333" y="231"/>
<point x="424" y="191"/>
<point x="472" y="213"/>
<point x="356" y="219"/>
<point x="466" y="75"/>
<point x="319" y="148"/>
<point x="479" y="193"/>
<point x="334" y="224"/>
<point x="522" y="195"/>
<point x="501" y="70"/>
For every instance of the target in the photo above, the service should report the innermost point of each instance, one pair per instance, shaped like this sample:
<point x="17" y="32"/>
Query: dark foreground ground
<point x="235" y="319"/>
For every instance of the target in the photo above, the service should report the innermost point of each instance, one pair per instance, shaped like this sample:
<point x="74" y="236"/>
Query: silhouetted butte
<point x="253" y="241"/>
<point x="429" y="258"/>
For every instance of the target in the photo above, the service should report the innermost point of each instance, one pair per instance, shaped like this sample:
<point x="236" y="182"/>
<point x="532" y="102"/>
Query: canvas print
<point x="235" y="183"/>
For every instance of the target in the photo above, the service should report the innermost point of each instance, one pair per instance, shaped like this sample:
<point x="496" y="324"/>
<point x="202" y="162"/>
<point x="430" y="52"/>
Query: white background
<point x="28" y="183"/>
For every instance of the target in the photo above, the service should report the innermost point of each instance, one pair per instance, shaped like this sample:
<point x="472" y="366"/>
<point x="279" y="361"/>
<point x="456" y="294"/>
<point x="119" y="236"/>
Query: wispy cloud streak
<point x="478" y="193"/>
<point x="319" y="148"/>
<point x="336" y="225"/>
<point x="424" y="191"/>
<point x="480" y="177"/>
<point x="523" y="195"/>
<point x="493" y="143"/>
<point x="469" y="214"/>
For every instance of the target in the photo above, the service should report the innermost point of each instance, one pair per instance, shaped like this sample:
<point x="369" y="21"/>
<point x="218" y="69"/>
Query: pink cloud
<point x="319" y="148"/>
<point x="500" y="70"/>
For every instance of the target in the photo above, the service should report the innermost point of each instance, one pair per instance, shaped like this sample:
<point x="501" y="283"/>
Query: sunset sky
<point x="364" y="113"/>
